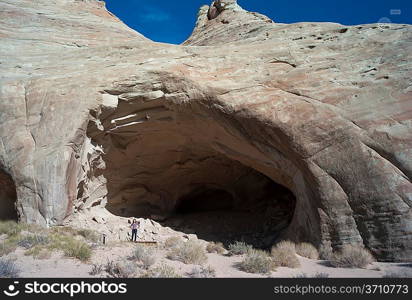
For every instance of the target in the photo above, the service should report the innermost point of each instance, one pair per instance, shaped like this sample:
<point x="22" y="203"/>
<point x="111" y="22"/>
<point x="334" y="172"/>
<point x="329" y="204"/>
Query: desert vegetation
<point x="202" y="272"/>
<point x="307" y="250"/>
<point x="351" y="256"/>
<point x="8" y="269"/>
<point x="257" y="261"/>
<point x="284" y="255"/>
<point x="215" y="248"/>
<point x="190" y="252"/>
<point x="239" y="248"/>
<point x="145" y="256"/>
<point x="162" y="271"/>
<point x="40" y="242"/>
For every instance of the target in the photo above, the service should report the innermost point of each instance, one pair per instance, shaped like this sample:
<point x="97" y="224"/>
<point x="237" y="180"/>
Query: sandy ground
<point x="225" y="266"/>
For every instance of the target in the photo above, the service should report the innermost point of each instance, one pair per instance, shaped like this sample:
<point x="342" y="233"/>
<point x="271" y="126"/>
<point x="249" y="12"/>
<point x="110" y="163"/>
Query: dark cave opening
<point x="257" y="212"/>
<point x="8" y="197"/>
<point x="205" y="200"/>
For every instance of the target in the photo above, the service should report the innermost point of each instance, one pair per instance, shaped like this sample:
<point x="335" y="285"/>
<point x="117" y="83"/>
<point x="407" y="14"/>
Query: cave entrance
<point x="8" y="197"/>
<point x="256" y="211"/>
<point x="191" y="171"/>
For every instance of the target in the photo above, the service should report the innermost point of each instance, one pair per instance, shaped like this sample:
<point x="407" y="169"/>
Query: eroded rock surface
<point x="122" y="125"/>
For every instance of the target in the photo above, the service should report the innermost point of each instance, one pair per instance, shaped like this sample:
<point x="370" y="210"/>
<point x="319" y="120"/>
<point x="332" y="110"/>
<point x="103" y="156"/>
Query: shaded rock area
<point x="8" y="197"/>
<point x="98" y="124"/>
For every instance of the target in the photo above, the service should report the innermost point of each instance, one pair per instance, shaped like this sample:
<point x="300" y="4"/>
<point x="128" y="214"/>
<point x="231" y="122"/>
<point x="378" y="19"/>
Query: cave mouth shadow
<point x="8" y="198"/>
<point x="217" y="215"/>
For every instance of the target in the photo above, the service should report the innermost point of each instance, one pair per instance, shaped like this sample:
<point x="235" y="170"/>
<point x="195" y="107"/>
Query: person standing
<point x="134" y="227"/>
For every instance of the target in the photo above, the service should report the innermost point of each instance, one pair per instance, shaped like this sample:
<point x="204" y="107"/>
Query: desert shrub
<point x="352" y="257"/>
<point x="7" y="247"/>
<point x="321" y="275"/>
<point x="202" y="272"/>
<point x="29" y="241"/>
<point x="239" y="248"/>
<point x="284" y="255"/>
<point x="8" y="269"/>
<point x="39" y="252"/>
<point x="144" y="255"/>
<point x="138" y="252"/>
<point x="78" y="249"/>
<point x="287" y="245"/>
<point x="89" y="235"/>
<point x="96" y="269"/>
<point x="120" y="269"/>
<point x="307" y="250"/>
<point x="190" y="252"/>
<point x="172" y="242"/>
<point x="215" y="248"/>
<point x="11" y="228"/>
<point x="398" y="274"/>
<point x="256" y="261"/>
<point x="162" y="271"/>
<point x="325" y="252"/>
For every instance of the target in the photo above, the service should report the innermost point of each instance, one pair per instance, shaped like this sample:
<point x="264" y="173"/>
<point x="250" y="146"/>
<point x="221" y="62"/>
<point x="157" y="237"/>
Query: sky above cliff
<point x="173" y="21"/>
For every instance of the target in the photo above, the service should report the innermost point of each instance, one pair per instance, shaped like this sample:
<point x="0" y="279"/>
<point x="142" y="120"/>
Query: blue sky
<point x="173" y="21"/>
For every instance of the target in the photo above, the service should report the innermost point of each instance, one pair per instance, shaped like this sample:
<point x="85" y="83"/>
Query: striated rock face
<point x="313" y="118"/>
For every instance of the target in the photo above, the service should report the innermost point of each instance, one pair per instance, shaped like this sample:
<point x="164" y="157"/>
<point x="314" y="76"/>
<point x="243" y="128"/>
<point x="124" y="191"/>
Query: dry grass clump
<point x="284" y="255"/>
<point x="144" y="255"/>
<point x="172" y="242"/>
<point x="7" y="247"/>
<point x="162" y="271"/>
<point x="96" y="269"/>
<point x="239" y="248"/>
<point x="307" y="250"/>
<point x="89" y="235"/>
<point x="398" y="274"/>
<point x="352" y="257"/>
<point x="190" y="252"/>
<point x="256" y="261"/>
<point x="8" y="269"/>
<point x="202" y="272"/>
<point x="77" y="249"/>
<point x="317" y="275"/>
<point x="30" y="241"/>
<point x="126" y="269"/>
<point x="215" y="248"/>
<point x="11" y="228"/>
<point x="325" y="252"/>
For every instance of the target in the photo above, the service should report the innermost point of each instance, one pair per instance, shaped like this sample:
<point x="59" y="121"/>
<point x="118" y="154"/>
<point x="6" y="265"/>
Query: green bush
<point x="77" y="249"/>
<point x="11" y="228"/>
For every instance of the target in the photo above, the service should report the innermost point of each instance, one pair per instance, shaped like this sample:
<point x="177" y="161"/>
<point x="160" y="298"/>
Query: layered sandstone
<point x="94" y="117"/>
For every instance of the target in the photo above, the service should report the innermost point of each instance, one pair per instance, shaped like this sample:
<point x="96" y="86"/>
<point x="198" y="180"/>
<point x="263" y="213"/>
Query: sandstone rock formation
<point x="97" y="120"/>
